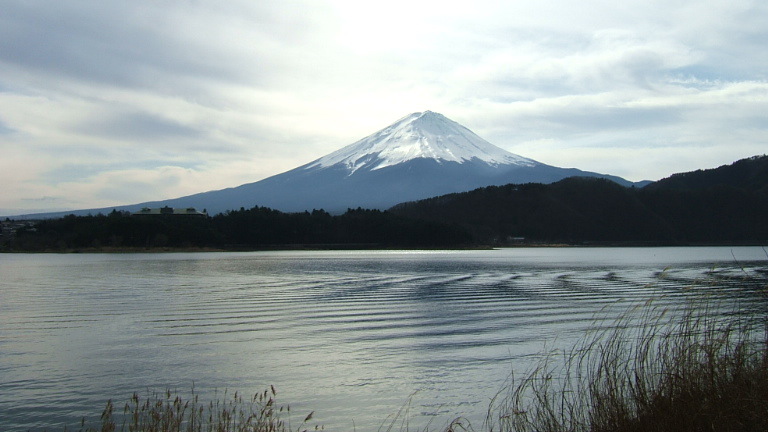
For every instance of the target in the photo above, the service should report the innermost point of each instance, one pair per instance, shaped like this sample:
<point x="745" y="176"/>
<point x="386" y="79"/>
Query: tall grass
<point x="169" y="412"/>
<point x="652" y="370"/>
<point x="694" y="371"/>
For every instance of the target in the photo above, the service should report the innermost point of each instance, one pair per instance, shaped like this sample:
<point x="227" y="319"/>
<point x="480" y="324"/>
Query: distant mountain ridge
<point x="750" y="174"/>
<point x="725" y="205"/>
<point x="421" y="155"/>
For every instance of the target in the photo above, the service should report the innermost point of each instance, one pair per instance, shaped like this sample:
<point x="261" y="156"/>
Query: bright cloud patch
<point x="162" y="99"/>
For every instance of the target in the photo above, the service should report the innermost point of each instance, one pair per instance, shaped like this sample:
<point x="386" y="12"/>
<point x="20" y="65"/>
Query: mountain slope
<point x="570" y="210"/>
<point x="421" y="155"/>
<point x="426" y="135"/>
<point x="726" y="205"/>
<point x="750" y="174"/>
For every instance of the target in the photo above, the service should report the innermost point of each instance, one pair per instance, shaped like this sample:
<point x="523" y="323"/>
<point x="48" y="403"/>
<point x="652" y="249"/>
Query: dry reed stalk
<point x="671" y="372"/>
<point x="169" y="412"/>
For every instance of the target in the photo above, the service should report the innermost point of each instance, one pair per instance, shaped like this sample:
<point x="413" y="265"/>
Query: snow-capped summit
<point x="422" y="155"/>
<point x="427" y="135"/>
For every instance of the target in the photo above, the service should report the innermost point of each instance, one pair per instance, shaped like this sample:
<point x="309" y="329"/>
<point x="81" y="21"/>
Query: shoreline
<point x="368" y="247"/>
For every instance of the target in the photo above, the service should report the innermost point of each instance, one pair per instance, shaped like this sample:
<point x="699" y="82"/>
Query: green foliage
<point x="725" y="205"/>
<point x="749" y="174"/>
<point x="117" y="230"/>
<point x="258" y="227"/>
<point x="372" y="228"/>
<point x="728" y="206"/>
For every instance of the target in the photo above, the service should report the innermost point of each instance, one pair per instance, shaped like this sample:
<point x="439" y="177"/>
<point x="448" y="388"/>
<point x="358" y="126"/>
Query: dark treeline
<point x="724" y="205"/>
<point x="719" y="206"/>
<point x="254" y="228"/>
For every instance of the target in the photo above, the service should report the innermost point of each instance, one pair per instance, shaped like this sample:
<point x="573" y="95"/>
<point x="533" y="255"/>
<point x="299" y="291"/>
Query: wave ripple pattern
<point x="352" y="336"/>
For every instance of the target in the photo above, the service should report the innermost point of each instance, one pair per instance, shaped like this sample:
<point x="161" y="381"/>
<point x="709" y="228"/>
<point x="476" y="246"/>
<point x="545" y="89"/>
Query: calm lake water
<point x="351" y="335"/>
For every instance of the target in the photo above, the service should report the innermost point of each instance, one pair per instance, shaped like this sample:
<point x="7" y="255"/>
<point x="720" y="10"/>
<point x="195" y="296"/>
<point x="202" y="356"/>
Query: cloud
<point x="145" y="44"/>
<point x="4" y="129"/>
<point x="137" y="126"/>
<point x="201" y="94"/>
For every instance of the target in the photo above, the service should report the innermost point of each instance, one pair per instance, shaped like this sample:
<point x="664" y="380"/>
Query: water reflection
<point x="349" y="335"/>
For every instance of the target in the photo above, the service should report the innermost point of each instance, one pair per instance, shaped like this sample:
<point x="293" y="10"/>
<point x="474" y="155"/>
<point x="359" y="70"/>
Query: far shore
<point x="366" y="247"/>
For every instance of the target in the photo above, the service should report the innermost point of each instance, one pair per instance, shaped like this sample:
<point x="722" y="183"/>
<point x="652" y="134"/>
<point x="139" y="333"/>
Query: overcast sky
<point x="119" y="102"/>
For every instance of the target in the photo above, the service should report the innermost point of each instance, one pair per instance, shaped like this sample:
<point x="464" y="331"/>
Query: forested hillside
<point x="726" y="205"/>
<point x="723" y="205"/>
<point x="255" y="228"/>
<point x="747" y="174"/>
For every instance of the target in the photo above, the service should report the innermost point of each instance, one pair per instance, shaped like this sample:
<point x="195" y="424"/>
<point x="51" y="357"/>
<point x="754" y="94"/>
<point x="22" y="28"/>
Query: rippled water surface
<point x="351" y="335"/>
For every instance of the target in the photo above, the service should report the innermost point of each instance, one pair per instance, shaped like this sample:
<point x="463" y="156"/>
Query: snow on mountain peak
<point x="419" y="135"/>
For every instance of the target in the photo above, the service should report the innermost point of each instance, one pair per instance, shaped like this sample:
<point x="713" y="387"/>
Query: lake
<point x="352" y="335"/>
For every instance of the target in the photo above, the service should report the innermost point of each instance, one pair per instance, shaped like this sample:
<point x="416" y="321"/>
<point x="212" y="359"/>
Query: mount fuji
<point x="422" y="155"/>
